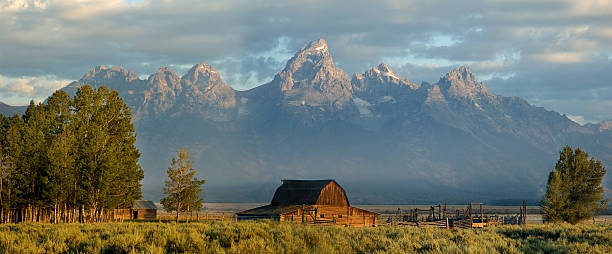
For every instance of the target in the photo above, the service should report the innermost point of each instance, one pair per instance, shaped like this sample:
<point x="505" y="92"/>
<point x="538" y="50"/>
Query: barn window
<point x="322" y="215"/>
<point x="339" y="215"/>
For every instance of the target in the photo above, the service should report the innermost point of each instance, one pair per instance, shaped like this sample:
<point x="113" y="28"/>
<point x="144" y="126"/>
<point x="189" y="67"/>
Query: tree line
<point x="69" y="159"/>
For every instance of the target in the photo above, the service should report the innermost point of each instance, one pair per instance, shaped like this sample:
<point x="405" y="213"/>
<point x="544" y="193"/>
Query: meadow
<point x="274" y="237"/>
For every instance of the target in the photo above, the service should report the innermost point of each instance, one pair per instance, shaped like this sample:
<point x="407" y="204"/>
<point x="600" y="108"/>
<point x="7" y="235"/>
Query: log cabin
<point x="312" y="201"/>
<point x="141" y="210"/>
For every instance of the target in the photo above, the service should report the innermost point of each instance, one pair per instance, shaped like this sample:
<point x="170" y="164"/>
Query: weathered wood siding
<point x="146" y="213"/>
<point x="128" y="214"/>
<point x="333" y="195"/>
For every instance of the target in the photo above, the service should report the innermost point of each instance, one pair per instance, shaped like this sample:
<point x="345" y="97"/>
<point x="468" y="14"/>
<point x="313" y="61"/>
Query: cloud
<point x="577" y="119"/>
<point x="13" y="90"/>
<point x="249" y="41"/>
<point x="21" y="5"/>
<point x="562" y="57"/>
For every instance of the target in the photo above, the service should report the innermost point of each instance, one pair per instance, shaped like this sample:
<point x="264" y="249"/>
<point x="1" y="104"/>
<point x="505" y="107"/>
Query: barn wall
<point x="334" y="195"/>
<point x="147" y="213"/>
<point x="127" y="214"/>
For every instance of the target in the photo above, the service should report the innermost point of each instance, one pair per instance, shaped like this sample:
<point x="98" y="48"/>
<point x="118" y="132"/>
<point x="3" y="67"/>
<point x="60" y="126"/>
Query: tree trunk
<point x="189" y="211"/>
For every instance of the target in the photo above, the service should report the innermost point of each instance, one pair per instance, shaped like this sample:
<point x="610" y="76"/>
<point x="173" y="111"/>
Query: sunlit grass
<point x="272" y="237"/>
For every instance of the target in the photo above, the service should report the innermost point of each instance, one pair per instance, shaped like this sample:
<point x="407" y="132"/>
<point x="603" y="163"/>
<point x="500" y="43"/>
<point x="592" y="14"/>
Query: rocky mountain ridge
<point x="384" y="137"/>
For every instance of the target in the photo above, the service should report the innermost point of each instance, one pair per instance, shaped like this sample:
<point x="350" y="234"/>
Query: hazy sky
<point x="556" y="54"/>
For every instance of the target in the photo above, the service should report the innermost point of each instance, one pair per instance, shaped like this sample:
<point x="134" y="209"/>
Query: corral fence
<point x="472" y="216"/>
<point x="198" y="216"/>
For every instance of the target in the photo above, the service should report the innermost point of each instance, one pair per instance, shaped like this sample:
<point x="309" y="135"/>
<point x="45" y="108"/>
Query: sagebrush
<point x="273" y="237"/>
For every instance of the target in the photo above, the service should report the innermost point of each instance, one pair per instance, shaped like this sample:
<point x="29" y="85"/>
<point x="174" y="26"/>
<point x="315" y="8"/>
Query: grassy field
<point x="272" y="237"/>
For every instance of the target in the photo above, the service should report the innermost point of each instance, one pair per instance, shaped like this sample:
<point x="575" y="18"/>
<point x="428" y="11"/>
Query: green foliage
<point x="182" y="188"/>
<point x="69" y="153"/>
<point x="273" y="237"/>
<point x="574" y="190"/>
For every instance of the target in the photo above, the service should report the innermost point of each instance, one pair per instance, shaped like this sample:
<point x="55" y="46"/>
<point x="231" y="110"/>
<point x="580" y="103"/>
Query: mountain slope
<point x="385" y="138"/>
<point x="8" y="110"/>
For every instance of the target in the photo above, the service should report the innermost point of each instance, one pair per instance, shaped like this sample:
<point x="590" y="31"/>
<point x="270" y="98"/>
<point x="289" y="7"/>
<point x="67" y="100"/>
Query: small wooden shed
<point x="311" y="201"/>
<point x="141" y="210"/>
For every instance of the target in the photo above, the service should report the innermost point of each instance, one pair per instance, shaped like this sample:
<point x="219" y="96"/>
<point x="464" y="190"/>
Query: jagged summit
<point x="310" y="78"/>
<point x="202" y="85"/>
<point x="318" y="46"/>
<point x="462" y="73"/>
<point x="381" y="82"/>
<point x="202" y="71"/>
<point x="382" y="71"/>
<point x="313" y="58"/>
<point x="165" y="79"/>
<point x="386" y="71"/>
<point x="461" y="82"/>
<point x="203" y="77"/>
<point x="162" y="89"/>
<point x="103" y="72"/>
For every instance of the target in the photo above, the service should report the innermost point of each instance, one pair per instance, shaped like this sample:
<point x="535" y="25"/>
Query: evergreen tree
<point x="574" y="190"/>
<point x="182" y="188"/>
<point x="68" y="158"/>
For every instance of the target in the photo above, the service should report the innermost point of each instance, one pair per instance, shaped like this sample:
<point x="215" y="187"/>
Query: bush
<point x="273" y="237"/>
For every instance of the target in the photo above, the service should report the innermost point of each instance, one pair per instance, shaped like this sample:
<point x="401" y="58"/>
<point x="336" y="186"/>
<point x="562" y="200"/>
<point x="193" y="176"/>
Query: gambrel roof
<point x="310" y="192"/>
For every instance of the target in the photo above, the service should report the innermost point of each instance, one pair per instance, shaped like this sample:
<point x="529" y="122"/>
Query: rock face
<point x="384" y="137"/>
<point x="311" y="79"/>
<point x="200" y="92"/>
<point x="163" y="89"/>
<point x="381" y="80"/>
<point x="202" y="85"/>
<point x="461" y="83"/>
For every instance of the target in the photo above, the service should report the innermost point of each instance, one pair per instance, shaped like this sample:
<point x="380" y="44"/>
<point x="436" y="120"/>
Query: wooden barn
<point x="141" y="210"/>
<point x="312" y="201"/>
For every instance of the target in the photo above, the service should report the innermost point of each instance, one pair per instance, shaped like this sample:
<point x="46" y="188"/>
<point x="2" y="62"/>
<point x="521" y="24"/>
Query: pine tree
<point x="182" y="188"/>
<point x="574" y="190"/>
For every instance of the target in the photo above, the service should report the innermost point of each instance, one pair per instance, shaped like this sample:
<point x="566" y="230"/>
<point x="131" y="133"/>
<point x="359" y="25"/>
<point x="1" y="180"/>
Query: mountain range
<point x="385" y="138"/>
<point x="9" y="110"/>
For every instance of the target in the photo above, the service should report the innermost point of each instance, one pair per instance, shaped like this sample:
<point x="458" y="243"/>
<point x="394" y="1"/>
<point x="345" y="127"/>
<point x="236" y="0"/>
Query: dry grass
<point x="273" y="237"/>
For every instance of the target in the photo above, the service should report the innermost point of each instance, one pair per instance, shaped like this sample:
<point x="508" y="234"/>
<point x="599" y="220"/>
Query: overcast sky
<point x="556" y="54"/>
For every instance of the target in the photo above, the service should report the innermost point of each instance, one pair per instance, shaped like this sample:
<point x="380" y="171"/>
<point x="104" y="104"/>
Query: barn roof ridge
<point x="306" y="192"/>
